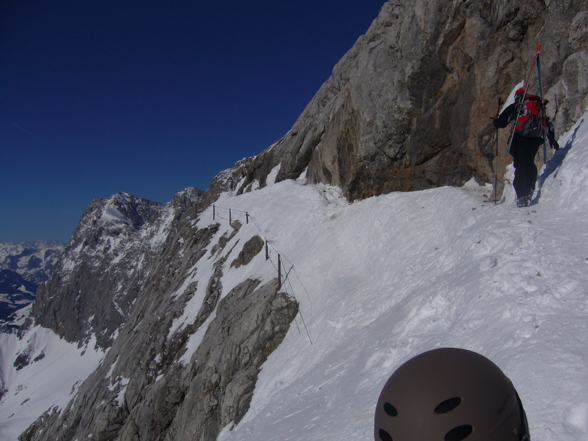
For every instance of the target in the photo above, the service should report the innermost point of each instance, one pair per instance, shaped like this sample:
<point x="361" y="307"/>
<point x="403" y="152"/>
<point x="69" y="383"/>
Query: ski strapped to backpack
<point x="531" y="122"/>
<point x="548" y="132"/>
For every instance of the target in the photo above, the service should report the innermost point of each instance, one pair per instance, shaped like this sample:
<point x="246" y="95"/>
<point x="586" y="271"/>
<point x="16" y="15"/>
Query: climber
<point x="528" y="134"/>
<point x="450" y="394"/>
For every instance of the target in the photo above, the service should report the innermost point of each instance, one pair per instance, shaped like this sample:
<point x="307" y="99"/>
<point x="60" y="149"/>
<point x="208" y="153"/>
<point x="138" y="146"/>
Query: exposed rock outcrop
<point x="147" y="388"/>
<point x="155" y="383"/>
<point x="251" y="249"/>
<point x="104" y="266"/>
<point x="409" y="106"/>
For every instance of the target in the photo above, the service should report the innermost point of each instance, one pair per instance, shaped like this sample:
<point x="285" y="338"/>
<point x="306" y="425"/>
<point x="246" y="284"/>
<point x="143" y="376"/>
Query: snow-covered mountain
<point x="276" y="305"/>
<point x="377" y="282"/>
<point x="108" y="258"/>
<point x="32" y="260"/>
<point x="23" y="267"/>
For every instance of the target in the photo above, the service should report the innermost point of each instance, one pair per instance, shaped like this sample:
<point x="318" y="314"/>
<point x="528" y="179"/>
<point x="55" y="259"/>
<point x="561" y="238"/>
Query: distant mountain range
<point x="23" y="267"/>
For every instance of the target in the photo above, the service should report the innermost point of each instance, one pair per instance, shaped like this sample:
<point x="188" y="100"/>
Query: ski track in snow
<point x="380" y="281"/>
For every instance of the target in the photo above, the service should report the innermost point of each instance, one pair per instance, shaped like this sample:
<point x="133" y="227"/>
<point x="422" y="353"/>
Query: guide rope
<point x="286" y="280"/>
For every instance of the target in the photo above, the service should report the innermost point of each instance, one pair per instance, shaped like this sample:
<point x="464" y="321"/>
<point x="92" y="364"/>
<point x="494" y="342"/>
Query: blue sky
<point x="150" y="97"/>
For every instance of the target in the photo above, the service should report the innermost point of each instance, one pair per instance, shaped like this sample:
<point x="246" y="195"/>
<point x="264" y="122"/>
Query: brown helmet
<point x="449" y="394"/>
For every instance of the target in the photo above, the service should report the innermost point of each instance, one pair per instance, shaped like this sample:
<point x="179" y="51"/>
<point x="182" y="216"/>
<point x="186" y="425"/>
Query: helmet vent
<point x="385" y="436"/>
<point x="459" y="433"/>
<point x="447" y="405"/>
<point x="390" y="410"/>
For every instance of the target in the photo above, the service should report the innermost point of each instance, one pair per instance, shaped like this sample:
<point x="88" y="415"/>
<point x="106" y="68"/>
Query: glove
<point x="551" y="135"/>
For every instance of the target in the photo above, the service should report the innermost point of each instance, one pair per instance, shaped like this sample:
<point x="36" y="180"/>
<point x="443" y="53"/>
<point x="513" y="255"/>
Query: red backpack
<point x="531" y="121"/>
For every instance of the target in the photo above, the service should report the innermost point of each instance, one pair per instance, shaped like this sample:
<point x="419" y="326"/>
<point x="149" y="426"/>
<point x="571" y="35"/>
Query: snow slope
<point x="382" y="280"/>
<point x="47" y="375"/>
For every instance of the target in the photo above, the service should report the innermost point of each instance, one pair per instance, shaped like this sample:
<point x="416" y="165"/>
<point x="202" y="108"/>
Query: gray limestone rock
<point x="251" y="322"/>
<point x="155" y="397"/>
<point x="410" y="105"/>
<point x="251" y="249"/>
<point x="102" y="270"/>
<point x="151" y="384"/>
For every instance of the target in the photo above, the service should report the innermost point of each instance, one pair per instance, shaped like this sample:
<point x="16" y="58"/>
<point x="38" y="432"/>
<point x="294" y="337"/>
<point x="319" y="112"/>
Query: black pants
<point x="523" y="151"/>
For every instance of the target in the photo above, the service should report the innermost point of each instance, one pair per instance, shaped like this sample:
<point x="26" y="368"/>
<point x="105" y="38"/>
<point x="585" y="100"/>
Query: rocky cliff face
<point x="409" y="106"/>
<point x="183" y="359"/>
<point x="103" y="268"/>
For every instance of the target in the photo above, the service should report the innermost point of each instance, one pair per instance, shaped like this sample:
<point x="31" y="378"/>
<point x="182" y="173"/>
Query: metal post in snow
<point x="247" y="217"/>
<point x="213" y="212"/>
<point x="279" y="272"/>
<point x="230" y="217"/>
<point x="266" y="251"/>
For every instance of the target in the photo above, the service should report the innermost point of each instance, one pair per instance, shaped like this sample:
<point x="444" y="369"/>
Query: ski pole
<point x="542" y="103"/>
<point x="500" y="102"/>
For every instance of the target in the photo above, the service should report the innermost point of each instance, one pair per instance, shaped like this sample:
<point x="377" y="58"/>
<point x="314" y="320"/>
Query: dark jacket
<point x="509" y="113"/>
<point x="505" y="117"/>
